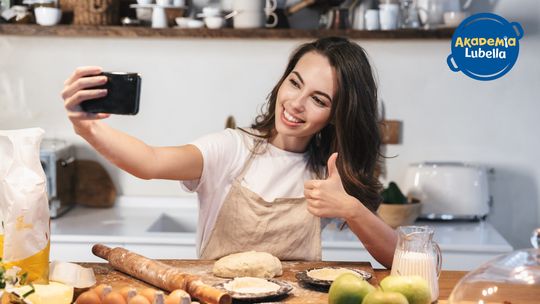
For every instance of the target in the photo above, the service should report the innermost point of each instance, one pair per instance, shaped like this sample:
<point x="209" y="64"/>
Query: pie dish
<point x="255" y="289"/>
<point x="323" y="277"/>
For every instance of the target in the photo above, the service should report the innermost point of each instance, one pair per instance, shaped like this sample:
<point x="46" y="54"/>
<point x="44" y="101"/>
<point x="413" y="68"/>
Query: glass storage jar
<point x="507" y="279"/>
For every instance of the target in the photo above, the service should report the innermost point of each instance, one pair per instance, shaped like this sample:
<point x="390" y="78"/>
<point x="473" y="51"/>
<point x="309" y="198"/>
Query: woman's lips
<point x="290" y="120"/>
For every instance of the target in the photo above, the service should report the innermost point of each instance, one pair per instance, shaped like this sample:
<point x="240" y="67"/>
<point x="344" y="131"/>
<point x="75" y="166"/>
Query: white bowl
<point x="182" y="21"/>
<point x="144" y="2"/>
<point x="453" y="19"/>
<point x="211" y="11"/>
<point x="47" y="16"/>
<point x="193" y="23"/>
<point x="214" y="22"/>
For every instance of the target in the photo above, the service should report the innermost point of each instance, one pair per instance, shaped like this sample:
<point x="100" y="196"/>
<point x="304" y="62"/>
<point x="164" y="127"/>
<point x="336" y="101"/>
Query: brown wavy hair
<point x="353" y="130"/>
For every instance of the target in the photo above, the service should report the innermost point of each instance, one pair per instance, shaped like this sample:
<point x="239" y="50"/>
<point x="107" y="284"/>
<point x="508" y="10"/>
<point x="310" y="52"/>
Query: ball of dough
<point x="248" y="264"/>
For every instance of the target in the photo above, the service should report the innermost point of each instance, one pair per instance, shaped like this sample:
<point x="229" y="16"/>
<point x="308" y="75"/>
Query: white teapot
<point x="431" y="12"/>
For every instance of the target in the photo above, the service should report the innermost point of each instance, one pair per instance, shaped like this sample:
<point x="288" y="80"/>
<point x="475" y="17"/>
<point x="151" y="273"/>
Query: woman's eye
<point x="318" y="101"/>
<point x="294" y="83"/>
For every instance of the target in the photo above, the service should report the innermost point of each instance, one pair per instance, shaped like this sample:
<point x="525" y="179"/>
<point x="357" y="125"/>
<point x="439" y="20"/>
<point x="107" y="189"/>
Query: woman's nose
<point x="298" y="103"/>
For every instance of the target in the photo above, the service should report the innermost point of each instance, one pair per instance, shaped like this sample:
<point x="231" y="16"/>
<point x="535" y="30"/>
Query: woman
<point x="310" y="155"/>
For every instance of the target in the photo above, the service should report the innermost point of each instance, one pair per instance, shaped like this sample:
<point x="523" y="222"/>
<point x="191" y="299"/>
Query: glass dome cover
<point x="508" y="279"/>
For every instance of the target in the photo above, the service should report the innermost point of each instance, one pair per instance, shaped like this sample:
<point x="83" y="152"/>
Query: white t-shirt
<point x="274" y="173"/>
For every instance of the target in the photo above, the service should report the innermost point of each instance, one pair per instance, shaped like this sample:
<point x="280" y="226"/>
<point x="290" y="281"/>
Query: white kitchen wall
<point x="191" y="85"/>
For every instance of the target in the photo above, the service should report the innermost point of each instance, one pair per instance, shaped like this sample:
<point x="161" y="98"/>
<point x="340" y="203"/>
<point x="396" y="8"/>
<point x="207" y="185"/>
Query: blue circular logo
<point x="485" y="46"/>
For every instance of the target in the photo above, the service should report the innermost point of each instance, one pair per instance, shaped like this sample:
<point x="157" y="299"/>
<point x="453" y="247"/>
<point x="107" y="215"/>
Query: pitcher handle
<point x="437" y="250"/>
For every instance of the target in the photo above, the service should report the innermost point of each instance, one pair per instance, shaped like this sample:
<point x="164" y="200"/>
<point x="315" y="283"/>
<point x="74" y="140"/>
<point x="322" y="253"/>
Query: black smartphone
<point x="123" y="92"/>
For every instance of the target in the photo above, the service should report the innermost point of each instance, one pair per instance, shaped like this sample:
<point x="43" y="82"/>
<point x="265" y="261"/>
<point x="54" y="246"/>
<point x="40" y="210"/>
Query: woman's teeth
<point x="291" y="118"/>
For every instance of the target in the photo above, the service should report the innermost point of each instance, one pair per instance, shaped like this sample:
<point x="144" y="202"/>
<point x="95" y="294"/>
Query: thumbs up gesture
<point x="333" y="172"/>
<point x="327" y="197"/>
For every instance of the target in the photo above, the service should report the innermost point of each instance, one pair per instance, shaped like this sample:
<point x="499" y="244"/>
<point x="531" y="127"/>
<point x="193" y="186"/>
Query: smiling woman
<point x="310" y="155"/>
<point x="338" y="83"/>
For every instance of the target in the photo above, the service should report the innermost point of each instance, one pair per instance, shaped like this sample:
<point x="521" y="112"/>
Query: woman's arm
<point x="123" y="150"/>
<point x="378" y="238"/>
<point x="136" y="157"/>
<point x="328" y="198"/>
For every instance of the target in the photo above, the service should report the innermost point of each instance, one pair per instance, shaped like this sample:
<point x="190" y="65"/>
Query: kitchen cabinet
<point x="164" y="228"/>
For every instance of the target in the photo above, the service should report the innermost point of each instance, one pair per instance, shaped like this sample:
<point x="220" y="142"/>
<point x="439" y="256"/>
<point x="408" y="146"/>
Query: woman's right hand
<point x="125" y="151"/>
<point x="78" y="88"/>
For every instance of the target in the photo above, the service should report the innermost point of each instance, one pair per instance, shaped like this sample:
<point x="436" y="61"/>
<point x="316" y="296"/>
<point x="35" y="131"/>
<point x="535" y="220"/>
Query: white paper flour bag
<point x="24" y="208"/>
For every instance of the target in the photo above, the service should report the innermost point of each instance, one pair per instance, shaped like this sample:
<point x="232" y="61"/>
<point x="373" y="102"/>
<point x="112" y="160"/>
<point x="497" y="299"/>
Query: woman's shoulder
<point x="249" y="134"/>
<point x="241" y="140"/>
<point x="254" y="140"/>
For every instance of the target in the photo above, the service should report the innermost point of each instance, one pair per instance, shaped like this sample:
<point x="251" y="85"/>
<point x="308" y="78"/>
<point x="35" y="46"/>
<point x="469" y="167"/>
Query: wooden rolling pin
<point x="159" y="274"/>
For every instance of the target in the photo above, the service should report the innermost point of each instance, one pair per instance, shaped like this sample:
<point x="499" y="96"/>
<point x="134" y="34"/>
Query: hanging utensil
<point x="299" y="6"/>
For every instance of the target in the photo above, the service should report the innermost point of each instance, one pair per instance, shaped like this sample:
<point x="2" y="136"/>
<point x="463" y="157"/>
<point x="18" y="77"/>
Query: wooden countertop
<point x="105" y="274"/>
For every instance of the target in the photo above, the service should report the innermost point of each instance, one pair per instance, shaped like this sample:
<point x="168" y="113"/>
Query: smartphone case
<point x="123" y="93"/>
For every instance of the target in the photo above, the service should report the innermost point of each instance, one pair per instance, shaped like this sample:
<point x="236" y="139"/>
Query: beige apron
<point x="284" y="227"/>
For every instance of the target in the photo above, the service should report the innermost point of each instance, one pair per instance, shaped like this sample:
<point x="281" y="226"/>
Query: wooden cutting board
<point x="94" y="186"/>
<point x="203" y="268"/>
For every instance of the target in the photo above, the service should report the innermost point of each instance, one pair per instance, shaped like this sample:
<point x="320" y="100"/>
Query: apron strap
<point x="249" y="161"/>
<point x="257" y="146"/>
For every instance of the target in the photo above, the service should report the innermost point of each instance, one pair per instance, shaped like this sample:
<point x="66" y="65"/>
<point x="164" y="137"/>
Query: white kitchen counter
<point x="130" y="221"/>
<point x="464" y="245"/>
<point x="165" y="228"/>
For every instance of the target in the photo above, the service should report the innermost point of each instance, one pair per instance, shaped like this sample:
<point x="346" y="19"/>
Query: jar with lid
<point x="510" y="278"/>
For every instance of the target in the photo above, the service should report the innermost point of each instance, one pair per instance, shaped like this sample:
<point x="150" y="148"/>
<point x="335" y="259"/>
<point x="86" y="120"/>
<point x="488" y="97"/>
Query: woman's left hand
<point x="327" y="197"/>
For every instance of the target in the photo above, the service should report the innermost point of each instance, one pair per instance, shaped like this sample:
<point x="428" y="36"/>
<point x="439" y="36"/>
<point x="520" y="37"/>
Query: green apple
<point x="385" y="297"/>
<point x="348" y="288"/>
<point x="414" y="288"/>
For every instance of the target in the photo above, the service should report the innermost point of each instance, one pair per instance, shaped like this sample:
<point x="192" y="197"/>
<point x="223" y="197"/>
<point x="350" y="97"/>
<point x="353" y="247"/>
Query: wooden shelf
<point x="203" y="33"/>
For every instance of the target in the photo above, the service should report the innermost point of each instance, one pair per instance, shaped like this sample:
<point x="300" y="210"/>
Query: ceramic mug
<point x="388" y="16"/>
<point x="372" y="20"/>
<point x="47" y="16"/>
<point x="253" y="13"/>
<point x="249" y="5"/>
<point x="270" y="11"/>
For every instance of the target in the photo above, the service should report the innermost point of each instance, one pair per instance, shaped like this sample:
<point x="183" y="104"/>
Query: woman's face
<point x="304" y="102"/>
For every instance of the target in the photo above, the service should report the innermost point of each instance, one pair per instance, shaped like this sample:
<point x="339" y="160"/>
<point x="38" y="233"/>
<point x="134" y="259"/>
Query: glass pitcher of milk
<point x="417" y="254"/>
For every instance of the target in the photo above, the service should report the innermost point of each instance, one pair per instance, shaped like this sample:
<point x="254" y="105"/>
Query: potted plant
<point x="396" y="209"/>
